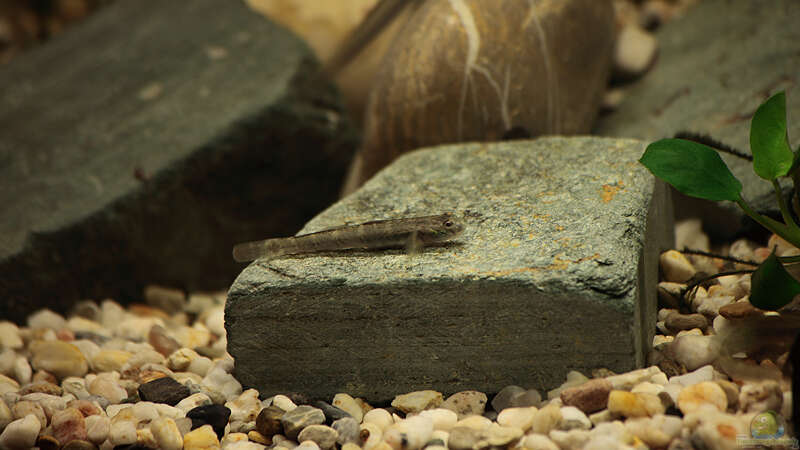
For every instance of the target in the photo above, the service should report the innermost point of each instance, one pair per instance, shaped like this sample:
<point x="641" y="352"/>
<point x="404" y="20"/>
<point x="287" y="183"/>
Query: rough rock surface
<point x="713" y="86"/>
<point x="143" y="143"/>
<point x="556" y="270"/>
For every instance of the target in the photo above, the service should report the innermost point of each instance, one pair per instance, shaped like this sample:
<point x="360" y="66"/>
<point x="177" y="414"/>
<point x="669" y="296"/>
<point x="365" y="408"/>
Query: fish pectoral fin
<point x="414" y="244"/>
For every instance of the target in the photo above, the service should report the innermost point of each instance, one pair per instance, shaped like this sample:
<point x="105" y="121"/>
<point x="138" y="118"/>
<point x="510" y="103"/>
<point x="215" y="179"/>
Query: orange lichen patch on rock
<point x="609" y="191"/>
<point x="727" y="431"/>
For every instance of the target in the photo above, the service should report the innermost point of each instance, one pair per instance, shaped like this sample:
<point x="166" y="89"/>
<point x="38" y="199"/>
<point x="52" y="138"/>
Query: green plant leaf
<point x="692" y="168"/>
<point x="772" y="156"/>
<point x="771" y="286"/>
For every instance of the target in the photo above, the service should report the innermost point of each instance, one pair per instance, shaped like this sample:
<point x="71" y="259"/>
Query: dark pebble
<point x="78" y="444"/>
<point x="393" y="410"/>
<point x="331" y="412"/>
<point x="298" y="398"/>
<point x="436" y="442"/>
<point x="86" y="309"/>
<point x="94" y="337"/>
<point x="47" y="442"/>
<point x="295" y="420"/>
<point x="502" y="400"/>
<point x="215" y="415"/>
<point x="268" y="421"/>
<point x="490" y="414"/>
<point x="163" y="390"/>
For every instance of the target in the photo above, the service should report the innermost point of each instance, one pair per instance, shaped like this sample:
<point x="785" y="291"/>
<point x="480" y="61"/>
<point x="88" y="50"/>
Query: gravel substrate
<point x="158" y="376"/>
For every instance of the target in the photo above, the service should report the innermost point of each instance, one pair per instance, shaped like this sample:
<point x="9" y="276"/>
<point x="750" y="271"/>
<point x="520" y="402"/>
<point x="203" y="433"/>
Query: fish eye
<point x="448" y="223"/>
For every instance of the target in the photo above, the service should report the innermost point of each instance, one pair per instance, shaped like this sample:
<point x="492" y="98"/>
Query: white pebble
<point x="145" y="411"/>
<point x="443" y="419"/>
<point x="122" y="432"/>
<point x="283" y="402"/>
<point x="215" y="320"/>
<point x="546" y="419"/>
<point x="200" y="366"/>
<point x="573" y="418"/>
<point x="111" y="314"/>
<point x="223" y="382"/>
<point x="193" y="401"/>
<point x="9" y="335"/>
<point x="379" y="417"/>
<point x="166" y="434"/>
<point x="245" y="407"/>
<point x="626" y="381"/>
<point x="307" y="445"/>
<point x="705" y="373"/>
<point x="21" y="433"/>
<point x="710" y="306"/>
<point x="479" y="423"/>
<point x="409" y="434"/>
<point x="349" y="405"/>
<point x="538" y="442"/>
<point x="572" y="439"/>
<point x="97" y="428"/>
<point x="521" y="418"/>
<point x="634" y="52"/>
<point x="656" y="431"/>
<point x="5" y="414"/>
<point x="373" y="435"/>
<point x="22" y="370"/>
<point x="108" y="388"/>
<point x="44" y="318"/>
<point x="676" y="267"/>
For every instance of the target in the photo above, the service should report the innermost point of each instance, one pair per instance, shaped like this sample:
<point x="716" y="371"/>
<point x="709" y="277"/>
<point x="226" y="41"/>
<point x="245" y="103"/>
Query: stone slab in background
<point x="555" y="271"/>
<point x="716" y="66"/>
<point x="140" y="145"/>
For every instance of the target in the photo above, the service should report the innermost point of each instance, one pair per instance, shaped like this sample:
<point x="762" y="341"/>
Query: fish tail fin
<point x="251" y="251"/>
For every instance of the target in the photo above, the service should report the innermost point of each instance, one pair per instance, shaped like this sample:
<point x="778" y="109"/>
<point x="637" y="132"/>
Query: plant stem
<point x="787" y="215"/>
<point x="789" y="259"/>
<point x="792" y="235"/>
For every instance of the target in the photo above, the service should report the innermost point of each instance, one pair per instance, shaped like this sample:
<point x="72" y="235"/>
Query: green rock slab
<point x="556" y="270"/>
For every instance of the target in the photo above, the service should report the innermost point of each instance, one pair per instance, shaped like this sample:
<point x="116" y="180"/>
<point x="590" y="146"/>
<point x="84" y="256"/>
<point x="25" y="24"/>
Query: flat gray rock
<point x="141" y="144"/>
<point x="556" y="270"/>
<point x="716" y="66"/>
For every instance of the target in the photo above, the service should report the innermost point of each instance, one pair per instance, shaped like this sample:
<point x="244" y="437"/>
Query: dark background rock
<point x="140" y="145"/>
<point x="716" y="66"/>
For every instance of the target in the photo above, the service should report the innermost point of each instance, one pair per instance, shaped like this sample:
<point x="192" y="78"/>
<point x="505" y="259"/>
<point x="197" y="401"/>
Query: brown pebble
<point x="164" y="344"/>
<point x="147" y="311"/>
<point x="671" y="368"/>
<point x="79" y="445"/>
<point x="65" y="334"/>
<point x="589" y="397"/>
<point x="259" y="438"/>
<point x="602" y="372"/>
<point x="163" y="390"/>
<point x="47" y="442"/>
<point x="739" y="310"/>
<point x="86" y="407"/>
<point x="731" y="392"/>
<point x="45" y="387"/>
<point x="42" y="375"/>
<point x="677" y="322"/>
<point x="268" y="421"/>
